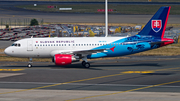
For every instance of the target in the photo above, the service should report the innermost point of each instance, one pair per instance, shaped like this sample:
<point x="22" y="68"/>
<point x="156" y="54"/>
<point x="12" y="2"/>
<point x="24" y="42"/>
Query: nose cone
<point x="7" y="51"/>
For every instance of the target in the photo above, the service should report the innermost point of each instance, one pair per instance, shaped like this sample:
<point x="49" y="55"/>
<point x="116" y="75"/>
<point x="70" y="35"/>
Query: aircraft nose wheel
<point x="29" y="65"/>
<point x="30" y="61"/>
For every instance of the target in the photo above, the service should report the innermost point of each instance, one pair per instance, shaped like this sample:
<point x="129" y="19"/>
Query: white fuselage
<point x="48" y="47"/>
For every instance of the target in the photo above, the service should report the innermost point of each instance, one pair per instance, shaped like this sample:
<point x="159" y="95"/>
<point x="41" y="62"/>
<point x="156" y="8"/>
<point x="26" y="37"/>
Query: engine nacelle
<point x="63" y="59"/>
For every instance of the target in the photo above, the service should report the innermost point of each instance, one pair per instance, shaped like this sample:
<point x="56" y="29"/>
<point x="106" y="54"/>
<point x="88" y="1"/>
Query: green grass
<point x="92" y="8"/>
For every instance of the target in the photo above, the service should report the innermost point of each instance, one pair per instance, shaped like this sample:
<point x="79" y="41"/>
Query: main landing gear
<point x="85" y="63"/>
<point x="30" y="62"/>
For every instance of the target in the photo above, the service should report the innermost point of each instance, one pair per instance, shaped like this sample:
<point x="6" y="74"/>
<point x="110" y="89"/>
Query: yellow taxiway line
<point x="64" y="83"/>
<point x="130" y="72"/>
<point x="11" y="69"/>
<point x="94" y="79"/>
<point x="125" y="91"/>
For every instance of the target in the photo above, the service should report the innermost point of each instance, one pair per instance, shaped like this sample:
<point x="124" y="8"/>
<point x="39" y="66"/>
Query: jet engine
<point x="64" y="59"/>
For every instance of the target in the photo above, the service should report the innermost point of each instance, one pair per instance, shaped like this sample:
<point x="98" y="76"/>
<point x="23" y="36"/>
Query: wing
<point x="81" y="52"/>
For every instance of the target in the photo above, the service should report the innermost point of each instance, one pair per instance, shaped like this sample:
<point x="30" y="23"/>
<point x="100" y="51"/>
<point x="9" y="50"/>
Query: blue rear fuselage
<point x="129" y="45"/>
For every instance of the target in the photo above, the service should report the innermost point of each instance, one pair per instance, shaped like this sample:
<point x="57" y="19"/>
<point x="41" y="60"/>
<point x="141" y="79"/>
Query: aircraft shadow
<point x="79" y="66"/>
<point x="158" y="74"/>
<point x="114" y="65"/>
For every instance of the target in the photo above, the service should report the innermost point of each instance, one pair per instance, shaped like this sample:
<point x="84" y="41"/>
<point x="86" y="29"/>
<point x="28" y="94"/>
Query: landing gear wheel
<point x="30" y="61"/>
<point x="29" y="65"/>
<point x="83" y="63"/>
<point x="86" y="65"/>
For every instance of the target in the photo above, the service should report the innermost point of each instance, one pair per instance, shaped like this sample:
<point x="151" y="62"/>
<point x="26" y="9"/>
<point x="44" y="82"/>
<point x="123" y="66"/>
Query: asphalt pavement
<point x="105" y="80"/>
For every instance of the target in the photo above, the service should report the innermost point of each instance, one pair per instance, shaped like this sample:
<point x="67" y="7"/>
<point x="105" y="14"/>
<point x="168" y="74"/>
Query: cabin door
<point x="29" y="45"/>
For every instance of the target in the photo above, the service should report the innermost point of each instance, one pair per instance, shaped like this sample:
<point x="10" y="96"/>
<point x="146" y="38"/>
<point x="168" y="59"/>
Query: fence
<point x="17" y="22"/>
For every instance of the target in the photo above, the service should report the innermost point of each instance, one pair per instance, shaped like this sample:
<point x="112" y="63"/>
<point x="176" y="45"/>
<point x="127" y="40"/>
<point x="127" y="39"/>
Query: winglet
<point x="112" y="48"/>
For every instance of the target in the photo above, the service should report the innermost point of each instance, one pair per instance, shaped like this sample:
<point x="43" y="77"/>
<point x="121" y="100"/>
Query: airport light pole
<point x="106" y="18"/>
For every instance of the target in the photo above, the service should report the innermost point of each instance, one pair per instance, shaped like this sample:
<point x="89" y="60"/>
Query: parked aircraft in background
<point x="64" y="51"/>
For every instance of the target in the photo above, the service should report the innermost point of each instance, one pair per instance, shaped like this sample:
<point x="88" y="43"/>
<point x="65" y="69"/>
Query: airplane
<point x="64" y="51"/>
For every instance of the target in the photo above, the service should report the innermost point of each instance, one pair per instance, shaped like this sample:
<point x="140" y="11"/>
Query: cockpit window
<point x="16" y="45"/>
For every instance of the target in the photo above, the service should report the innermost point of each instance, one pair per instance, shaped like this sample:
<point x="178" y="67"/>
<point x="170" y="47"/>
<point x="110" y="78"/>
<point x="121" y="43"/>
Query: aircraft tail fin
<point x="157" y="24"/>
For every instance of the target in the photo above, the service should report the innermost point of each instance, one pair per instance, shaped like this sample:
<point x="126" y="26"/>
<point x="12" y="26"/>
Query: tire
<point x="86" y="65"/>
<point x="29" y="65"/>
<point x="83" y="63"/>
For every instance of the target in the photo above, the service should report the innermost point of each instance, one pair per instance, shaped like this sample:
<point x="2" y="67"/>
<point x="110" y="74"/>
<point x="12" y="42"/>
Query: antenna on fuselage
<point x="106" y="18"/>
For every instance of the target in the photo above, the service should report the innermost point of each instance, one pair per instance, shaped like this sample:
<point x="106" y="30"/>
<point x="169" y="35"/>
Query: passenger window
<point x="64" y="44"/>
<point x="69" y="44"/>
<point x="19" y="45"/>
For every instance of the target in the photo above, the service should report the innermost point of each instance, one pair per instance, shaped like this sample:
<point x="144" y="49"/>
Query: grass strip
<point x="92" y="8"/>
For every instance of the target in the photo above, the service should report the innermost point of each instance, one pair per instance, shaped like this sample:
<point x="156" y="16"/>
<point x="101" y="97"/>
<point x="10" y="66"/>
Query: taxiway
<point x="122" y="79"/>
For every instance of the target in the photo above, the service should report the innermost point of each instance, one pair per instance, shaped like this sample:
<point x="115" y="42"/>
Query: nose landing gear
<point x="30" y="62"/>
<point x="29" y="65"/>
